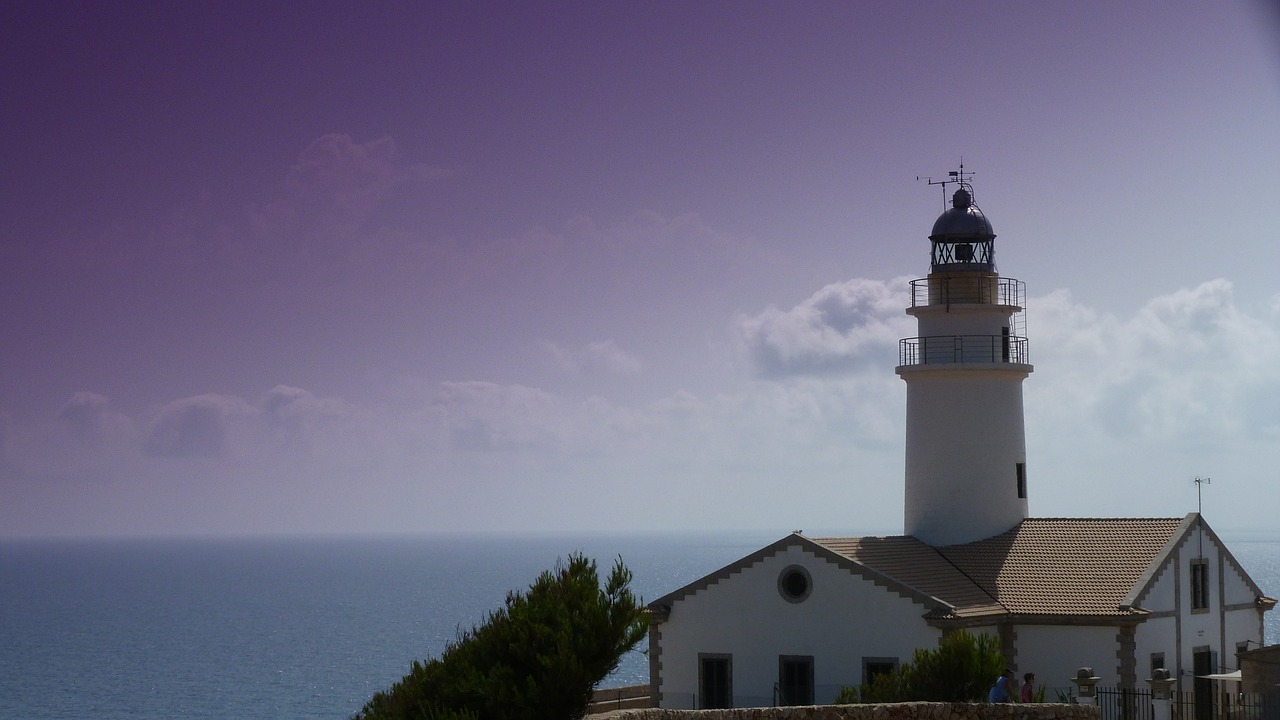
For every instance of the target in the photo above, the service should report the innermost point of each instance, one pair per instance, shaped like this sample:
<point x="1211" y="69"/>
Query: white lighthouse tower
<point x="966" y="472"/>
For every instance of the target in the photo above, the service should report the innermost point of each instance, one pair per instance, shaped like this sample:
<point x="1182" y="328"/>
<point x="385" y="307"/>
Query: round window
<point x="794" y="583"/>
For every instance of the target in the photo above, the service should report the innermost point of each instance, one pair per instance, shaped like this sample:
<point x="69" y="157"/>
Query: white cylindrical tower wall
<point x="934" y="321"/>
<point x="966" y="452"/>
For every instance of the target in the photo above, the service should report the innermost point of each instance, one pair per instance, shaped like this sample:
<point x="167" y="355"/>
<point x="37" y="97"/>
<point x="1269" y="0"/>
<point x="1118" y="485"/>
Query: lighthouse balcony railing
<point x="955" y="349"/>
<point x="968" y="289"/>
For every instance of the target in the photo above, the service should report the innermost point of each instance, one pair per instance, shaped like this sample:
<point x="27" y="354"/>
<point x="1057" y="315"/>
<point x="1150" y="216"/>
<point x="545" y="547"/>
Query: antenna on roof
<point x="959" y="177"/>
<point x="1200" y="482"/>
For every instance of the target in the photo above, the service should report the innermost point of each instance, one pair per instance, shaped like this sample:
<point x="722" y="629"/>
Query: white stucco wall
<point x="1155" y="635"/>
<point x="1055" y="652"/>
<point x="844" y="619"/>
<point x="1241" y="625"/>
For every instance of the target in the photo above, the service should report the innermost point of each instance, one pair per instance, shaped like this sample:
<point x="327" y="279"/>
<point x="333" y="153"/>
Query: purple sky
<point x="387" y="267"/>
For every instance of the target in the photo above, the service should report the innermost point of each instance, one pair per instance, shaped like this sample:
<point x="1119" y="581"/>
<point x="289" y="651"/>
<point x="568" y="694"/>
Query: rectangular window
<point x="715" y="681"/>
<point x="1199" y="584"/>
<point x="874" y="666"/>
<point x="1022" y="480"/>
<point x="795" y="680"/>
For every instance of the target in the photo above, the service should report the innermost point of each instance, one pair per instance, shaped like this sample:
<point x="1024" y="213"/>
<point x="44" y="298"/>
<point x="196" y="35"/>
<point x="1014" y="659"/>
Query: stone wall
<point x="896" y="711"/>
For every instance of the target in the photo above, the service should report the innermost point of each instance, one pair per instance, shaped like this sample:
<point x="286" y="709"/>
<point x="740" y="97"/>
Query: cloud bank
<point x="1188" y="374"/>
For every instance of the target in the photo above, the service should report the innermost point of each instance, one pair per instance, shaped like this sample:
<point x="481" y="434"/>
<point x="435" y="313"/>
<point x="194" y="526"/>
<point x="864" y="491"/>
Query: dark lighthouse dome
<point x="963" y="220"/>
<point x="962" y="237"/>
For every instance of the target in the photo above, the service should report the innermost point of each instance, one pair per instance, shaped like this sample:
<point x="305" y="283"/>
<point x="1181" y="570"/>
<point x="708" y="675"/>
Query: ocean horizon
<point x="308" y="627"/>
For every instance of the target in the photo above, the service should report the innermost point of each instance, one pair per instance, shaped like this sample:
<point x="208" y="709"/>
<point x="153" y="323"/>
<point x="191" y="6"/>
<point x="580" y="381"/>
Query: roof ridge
<point x="994" y="598"/>
<point x="1103" y="519"/>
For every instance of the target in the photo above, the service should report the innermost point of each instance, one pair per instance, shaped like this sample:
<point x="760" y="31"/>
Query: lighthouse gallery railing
<point x="953" y="349"/>
<point x="976" y="289"/>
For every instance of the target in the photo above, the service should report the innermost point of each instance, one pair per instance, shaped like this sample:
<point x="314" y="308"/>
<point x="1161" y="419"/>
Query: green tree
<point x="537" y="658"/>
<point x="961" y="669"/>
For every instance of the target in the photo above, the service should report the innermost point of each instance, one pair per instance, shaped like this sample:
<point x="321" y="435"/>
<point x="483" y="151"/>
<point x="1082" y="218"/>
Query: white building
<point x="795" y="621"/>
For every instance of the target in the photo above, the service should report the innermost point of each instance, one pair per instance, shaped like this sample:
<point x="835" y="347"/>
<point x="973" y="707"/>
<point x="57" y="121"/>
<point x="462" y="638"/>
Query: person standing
<point x="1002" y="691"/>
<point x="1028" y="693"/>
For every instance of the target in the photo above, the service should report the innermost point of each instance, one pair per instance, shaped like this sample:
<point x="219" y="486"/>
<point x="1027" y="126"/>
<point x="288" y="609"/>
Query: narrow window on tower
<point x="1022" y="481"/>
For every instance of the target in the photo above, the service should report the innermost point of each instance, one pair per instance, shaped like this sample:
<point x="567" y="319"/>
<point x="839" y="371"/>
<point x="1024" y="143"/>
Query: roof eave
<point x="1156" y="566"/>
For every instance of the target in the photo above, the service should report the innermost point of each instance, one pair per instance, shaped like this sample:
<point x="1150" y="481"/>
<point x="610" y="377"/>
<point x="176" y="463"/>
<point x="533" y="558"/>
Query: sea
<point x="291" y="627"/>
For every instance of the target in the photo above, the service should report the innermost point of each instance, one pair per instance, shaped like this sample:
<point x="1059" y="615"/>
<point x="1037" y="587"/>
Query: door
<point x="795" y="680"/>
<point x="715" y="681"/>
<point x="1202" y="662"/>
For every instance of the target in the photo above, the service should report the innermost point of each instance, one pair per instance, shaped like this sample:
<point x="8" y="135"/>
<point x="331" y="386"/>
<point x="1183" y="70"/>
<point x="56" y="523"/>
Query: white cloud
<point x="1123" y="412"/>
<point x="90" y="416"/>
<point x="335" y="184"/>
<point x="1189" y="367"/>
<point x="602" y="357"/>
<point x="843" y="326"/>
<point x="194" y="427"/>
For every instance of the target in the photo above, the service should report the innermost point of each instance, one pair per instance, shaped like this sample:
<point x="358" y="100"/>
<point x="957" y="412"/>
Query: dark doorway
<point x="795" y="680"/>
<point x="1203" y="663"/>
<point x="715" y="681"/>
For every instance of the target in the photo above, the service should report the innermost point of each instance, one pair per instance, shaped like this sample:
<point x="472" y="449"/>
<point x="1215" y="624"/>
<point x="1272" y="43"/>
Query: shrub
<point x="960" y="669"/>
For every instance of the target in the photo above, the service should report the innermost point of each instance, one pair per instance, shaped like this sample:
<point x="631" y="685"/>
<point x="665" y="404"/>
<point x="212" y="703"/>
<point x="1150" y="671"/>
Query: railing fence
<point x="1136" y="704"/>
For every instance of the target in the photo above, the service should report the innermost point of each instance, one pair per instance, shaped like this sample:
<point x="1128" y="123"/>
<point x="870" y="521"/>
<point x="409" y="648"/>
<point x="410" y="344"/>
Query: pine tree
<point x="537" y="658"/>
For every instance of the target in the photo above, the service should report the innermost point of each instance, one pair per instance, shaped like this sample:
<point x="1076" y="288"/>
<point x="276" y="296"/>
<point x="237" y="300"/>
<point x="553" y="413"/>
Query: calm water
<point x="292" y="628"/>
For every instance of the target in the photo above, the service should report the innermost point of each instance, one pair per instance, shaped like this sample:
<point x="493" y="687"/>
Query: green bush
<point x="961" y="669"/>
<point x="537" y="658"/>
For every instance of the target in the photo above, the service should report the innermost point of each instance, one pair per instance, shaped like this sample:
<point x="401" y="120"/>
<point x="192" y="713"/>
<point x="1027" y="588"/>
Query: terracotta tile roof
<point x="1059" y="566"/>
<point x="916" y="565"/>
<point x="1044" y="566"/>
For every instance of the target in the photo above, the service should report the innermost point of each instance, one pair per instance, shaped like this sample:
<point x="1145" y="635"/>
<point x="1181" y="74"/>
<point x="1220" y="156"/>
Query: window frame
<point x="1198" y="579"/>
<point x="868" y="661"/>
<point x="784" y="587"/>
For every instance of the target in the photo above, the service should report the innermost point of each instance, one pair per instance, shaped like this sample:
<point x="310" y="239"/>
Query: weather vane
<point x="959" y="177"/>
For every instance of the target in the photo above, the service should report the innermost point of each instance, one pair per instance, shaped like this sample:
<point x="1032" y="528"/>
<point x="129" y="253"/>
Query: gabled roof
<point x="1044" y="566"/>
<point x="1047" y="567"/>
<point x="935" y="604"/>
<point x="1193" y="520"/>
<point x="1068" y="566"/>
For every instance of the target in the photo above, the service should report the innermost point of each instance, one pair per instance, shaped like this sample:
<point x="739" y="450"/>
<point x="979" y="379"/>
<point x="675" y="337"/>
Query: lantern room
<point x="962" y="237"/>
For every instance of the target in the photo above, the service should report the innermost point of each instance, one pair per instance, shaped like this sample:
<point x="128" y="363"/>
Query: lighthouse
<point x="966" y="457"/>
